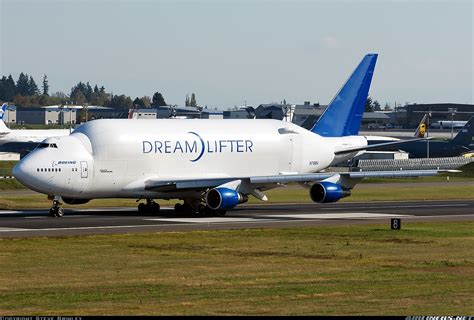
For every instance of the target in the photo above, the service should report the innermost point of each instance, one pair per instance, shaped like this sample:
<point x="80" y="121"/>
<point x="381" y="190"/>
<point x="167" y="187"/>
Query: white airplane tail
<point x="3" y="127"/>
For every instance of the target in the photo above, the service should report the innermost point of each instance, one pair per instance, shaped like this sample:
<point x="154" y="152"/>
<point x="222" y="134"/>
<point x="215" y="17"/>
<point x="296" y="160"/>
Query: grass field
<point x="425" y="268"/>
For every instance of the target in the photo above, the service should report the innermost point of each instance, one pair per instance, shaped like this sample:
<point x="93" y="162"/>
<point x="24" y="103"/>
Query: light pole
<point x="453" y="112"/>
<point x="427" y="134"/>
<point x="61" y="115"/>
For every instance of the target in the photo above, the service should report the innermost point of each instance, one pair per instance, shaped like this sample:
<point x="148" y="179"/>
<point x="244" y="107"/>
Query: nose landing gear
<point x="150" y="207"/>
<point x="56" y="210"/>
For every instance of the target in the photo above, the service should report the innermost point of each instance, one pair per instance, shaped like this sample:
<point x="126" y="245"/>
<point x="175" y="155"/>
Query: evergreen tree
<point x="32" y="87"/>
<point x="88" y="91"/>
<point x="121" y="102"/>
<point x="158" y="100"/>
<point x="138" y="103"/>
<point x="9" y="88"/>
<point x="376" y="105"/>
<point x="192" y="102"/>
<point x="45" y="85"/>
<point x="186" y="102"/>
<point x="22" y="85"/>
<point x="368" y="105"/>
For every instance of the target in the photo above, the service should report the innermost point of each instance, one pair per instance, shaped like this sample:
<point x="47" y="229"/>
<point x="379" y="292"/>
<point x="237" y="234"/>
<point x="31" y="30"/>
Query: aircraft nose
<point x="21" y="172"/>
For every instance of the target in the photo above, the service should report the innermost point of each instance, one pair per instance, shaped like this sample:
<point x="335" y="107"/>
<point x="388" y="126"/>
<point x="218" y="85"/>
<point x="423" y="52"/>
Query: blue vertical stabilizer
<point x="344" y="114"/>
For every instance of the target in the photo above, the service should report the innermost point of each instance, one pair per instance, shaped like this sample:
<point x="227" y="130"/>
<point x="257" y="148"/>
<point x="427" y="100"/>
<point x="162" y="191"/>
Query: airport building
<point x="47" y="115"/>
<point x="439" y="112"/>
<point x="304" y="115"/>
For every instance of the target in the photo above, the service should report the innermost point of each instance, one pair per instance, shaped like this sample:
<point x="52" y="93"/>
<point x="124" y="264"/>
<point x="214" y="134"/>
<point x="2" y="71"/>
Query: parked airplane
<point x="462" y="143"/>
<point x="448" y="124"/>
<point x="24" y="140"/>
<point x="211" y="165"/>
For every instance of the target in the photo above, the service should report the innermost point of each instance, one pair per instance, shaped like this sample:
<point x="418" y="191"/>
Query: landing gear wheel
<point x="56" y="210"/>
<point x="150" y="207"/>
<point x="60" y="212"/>
<point x="142" y="208"/>
<point x="178" y="208"/>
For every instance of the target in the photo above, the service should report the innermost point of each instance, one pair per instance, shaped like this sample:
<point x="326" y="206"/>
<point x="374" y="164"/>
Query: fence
<point x="449" y="163"/>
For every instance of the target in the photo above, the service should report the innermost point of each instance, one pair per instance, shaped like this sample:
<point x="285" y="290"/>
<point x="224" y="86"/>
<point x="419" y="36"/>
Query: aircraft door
<point x="84" y="169"/>
<point x="286" y="156"/>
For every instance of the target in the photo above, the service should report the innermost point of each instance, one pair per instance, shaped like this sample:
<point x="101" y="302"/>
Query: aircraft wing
<point x="312" y="177"/>
<point x="160" y="185"/>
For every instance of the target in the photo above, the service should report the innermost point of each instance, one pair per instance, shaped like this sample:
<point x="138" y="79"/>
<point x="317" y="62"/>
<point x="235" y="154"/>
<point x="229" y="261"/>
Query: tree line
<point x="24" y="92"/>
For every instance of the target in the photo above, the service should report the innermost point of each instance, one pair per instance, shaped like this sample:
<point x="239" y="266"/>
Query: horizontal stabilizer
<point x="374" y="146"/>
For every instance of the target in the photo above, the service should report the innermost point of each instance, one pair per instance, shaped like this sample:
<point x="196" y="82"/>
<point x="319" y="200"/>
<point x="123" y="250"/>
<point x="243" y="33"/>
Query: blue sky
<point x="232" y="52"/>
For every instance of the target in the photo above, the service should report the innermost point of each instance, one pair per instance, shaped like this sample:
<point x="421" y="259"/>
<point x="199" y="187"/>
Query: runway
<point x="34" y="223"/>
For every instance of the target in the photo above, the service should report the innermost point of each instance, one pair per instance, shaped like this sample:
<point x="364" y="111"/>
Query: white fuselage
<point x="114" y="158"/>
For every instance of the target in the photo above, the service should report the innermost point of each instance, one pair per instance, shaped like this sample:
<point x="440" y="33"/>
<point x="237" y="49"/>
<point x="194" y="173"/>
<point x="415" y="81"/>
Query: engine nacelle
<point x="325" y="191"/>
<point x="75" y="201"/>
<point x="224" y="198"/>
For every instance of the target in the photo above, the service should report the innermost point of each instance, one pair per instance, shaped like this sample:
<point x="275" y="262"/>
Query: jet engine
<point x="75" y="201"/>
<point x="224" y="198"/>
<point x="325" y="191"/>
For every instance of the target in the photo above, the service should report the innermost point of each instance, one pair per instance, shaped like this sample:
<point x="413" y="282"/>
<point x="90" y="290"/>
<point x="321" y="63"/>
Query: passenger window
<point x="41" y="169"/>
<point x="37" y="169"/>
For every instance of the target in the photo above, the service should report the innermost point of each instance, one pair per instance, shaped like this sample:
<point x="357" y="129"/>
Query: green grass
<point x="425" y="268"/>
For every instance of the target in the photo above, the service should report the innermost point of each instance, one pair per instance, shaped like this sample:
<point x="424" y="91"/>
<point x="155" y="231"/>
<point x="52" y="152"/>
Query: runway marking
<point x="12" y="229"/>
<point x="398" y="207"/>
<point x="211" y="220"/>
<point x="63" y="217"/>
<point x="352" y="215"/>
<point x="284" y="217"/>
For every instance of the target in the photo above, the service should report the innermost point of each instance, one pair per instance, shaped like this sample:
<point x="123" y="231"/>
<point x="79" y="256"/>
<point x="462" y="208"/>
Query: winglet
<point x="343" y="115"/>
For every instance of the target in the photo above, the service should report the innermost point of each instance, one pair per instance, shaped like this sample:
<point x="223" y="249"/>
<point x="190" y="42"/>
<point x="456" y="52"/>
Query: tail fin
<point x="3" y="110"/>
<point x="3" y="127"/>
<point x="343" y="115"/>
<point x="421" y="130"/>
<point x="465" y="136"/>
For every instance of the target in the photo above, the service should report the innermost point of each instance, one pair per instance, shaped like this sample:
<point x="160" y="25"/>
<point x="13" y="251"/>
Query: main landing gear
<point x="196" y="207"/>
<point x="150" y="207"/>
<point x="56" y="210"/>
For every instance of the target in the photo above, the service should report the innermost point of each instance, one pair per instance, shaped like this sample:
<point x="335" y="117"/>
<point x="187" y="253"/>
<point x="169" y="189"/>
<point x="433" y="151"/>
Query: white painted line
<point x="351" y="215"/>
<point x="209" y="220"/>
<point x="12" y="229"/>
<point x="37" y="217"/>
<point x="83" y="228"/>
<point x="398" y="207"/>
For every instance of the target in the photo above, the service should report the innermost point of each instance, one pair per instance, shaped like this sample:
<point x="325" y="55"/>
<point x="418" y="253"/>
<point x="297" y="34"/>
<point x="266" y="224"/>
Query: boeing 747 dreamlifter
<point x="211" y="165"/>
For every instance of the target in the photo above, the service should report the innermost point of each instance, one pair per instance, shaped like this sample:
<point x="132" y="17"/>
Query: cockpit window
<point x="47" y="145"/>
<point x="43" y="145"/>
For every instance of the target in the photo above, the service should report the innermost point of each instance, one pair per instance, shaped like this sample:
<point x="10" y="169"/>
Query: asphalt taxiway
<point x="33" y="223"/>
